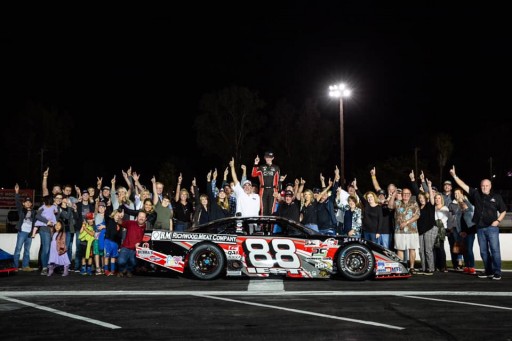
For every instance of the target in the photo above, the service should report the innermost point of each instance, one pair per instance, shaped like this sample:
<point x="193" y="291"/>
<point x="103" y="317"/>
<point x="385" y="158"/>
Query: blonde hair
<point x="442" y="198"/>
<point x="375" y="198"/>
<point x="184" y="190"/>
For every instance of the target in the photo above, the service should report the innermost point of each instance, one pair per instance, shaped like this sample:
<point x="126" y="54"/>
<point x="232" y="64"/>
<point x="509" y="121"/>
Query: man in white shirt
<point x="247" y="202"/>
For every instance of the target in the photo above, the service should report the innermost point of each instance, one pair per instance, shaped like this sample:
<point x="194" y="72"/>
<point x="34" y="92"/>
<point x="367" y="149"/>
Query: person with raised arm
<point x="490" y="210"/>
<point x="247" y="202"/>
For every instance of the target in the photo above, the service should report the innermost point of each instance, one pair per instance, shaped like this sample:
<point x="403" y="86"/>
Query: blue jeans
<point x="24" y="240"/>
<point x="329" y="232"/>
<point x="385" y="240"/>
<point x="312" y="226"/>
<point x="69" y="244"/>
<point x="469" y="256"/>
<point x="489" y="240"/>
<point x="180" y="226"/>
<point x="46" y="240"/>
<point x="126" y="260"/>
<point x="370" y="236"/>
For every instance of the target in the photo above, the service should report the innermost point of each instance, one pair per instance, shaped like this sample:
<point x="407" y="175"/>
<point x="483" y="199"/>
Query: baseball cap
<point x="381" y="192"/>
<point x="247" y="182"/>
<point x="102" y="203"/>
<point x="89" y="216"/>
<point x="28" y="199"/>
<point x="84" y="191"/>
<point x="447" y="182"/>
<point x="105" y="188"/>
<point x="269" y="154"/>
<point x="399" y="190"/>
<point x="316" y="190"/>
<point x="288" y="193"/>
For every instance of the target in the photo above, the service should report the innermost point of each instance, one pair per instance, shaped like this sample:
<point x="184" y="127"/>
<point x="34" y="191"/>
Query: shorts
<point x="83" y="250"/>
<point x="407" y="241"/>
<point x="95" y="248"/>
<point x="111" y="249"/>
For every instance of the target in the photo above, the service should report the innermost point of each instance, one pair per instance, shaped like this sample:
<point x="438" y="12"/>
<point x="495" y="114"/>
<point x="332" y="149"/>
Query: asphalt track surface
<point x="168" y="306"/>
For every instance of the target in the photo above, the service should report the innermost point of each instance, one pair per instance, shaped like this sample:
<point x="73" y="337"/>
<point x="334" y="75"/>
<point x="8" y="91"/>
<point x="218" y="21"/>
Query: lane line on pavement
<point x="58" y="312"/>
<point x="266" y="285"/>
<point x="305" y="312"/>
<point x="458" y="302"/>
<point x="253" y="293"/>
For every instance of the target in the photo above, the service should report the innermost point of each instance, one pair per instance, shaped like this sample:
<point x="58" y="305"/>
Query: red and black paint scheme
<point x="247" y="247"/>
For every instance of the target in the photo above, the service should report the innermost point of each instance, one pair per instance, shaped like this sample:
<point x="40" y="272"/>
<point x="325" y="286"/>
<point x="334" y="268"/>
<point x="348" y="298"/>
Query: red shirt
<point x="134" y="234"/>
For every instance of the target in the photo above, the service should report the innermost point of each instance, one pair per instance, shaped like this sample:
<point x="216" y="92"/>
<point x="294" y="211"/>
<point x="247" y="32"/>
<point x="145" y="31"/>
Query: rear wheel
<point x="356" y="262"/>
<point x="206" y="261"/>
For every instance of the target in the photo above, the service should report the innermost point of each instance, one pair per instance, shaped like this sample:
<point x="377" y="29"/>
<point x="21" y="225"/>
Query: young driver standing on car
<point x="268" y="175"/>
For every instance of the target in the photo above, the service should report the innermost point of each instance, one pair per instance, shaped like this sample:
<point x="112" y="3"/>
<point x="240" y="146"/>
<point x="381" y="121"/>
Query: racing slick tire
<point x="356" y="262"/>
<point x="206" y="261"/>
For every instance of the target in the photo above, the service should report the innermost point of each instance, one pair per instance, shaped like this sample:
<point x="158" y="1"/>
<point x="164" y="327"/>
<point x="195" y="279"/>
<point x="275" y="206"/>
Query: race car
<point x="267" y="245"/>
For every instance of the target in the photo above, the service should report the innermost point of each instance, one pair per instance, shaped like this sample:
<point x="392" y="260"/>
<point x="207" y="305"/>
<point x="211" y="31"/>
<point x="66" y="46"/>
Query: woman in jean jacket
<point x="464" y="218"/>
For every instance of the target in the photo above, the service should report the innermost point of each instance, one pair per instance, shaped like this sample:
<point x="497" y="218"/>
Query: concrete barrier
<point x="8" y="243"/>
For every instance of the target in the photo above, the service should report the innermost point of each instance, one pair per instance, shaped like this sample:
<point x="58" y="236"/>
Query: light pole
<point x="340" y="91"/>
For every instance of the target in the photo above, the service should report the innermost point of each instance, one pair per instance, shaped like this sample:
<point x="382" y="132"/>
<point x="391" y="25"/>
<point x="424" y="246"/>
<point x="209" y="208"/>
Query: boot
<point x="51" y="267"/>
<point x="66" y="270"/>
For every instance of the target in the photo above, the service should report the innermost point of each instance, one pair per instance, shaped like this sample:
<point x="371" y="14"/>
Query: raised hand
<point x="373" y="172"/>
<point x="135" y="176"/>
<point x="452" y="172"/>
<point x="257" y="160"/>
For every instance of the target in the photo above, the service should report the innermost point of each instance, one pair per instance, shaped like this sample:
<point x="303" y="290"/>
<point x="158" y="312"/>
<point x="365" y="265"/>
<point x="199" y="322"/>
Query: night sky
<point x="414" y="70"/>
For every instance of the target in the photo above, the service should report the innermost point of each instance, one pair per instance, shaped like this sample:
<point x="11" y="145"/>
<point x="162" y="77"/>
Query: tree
<point x="229" y="122"/>
<point x="444" y="148"/>
<point x="38" y="134"/>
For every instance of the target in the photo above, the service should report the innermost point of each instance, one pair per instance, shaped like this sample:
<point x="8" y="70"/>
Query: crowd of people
<point x="106" y="223"/>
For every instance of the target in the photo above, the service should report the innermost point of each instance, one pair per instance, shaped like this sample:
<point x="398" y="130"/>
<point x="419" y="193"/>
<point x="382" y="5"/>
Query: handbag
<point x="459" y="247"/>
<point x="456" y="248"/>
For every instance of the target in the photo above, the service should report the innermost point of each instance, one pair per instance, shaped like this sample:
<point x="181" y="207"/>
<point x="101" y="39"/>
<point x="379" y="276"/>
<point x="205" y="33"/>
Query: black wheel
<point x="206" y="261"/>
<point x="356" y="262"/>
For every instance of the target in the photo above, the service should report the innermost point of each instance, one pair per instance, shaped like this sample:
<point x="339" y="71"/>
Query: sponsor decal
<point x="274" y="271"/>
<point x="388" y="267"/>
<point x="144" y="253"/>
<point x="233" y="273"/>
<point x="168" y="235"/>
<point x="312" y="243"/>
<point x="329" y="242"/>
<point x="173" y="260"/>
<point x="318" y="252"/>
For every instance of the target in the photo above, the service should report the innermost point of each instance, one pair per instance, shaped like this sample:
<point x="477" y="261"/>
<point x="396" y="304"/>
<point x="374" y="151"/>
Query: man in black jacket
<point x="490" y="210"/>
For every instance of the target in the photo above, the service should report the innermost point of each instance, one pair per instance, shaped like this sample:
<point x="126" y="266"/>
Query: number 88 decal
<point x="260" y="255"/>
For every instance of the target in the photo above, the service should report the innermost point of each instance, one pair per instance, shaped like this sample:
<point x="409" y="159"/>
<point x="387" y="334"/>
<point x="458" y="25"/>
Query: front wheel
<point x="206" y="261"/>
<point x="356" y="262"/>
